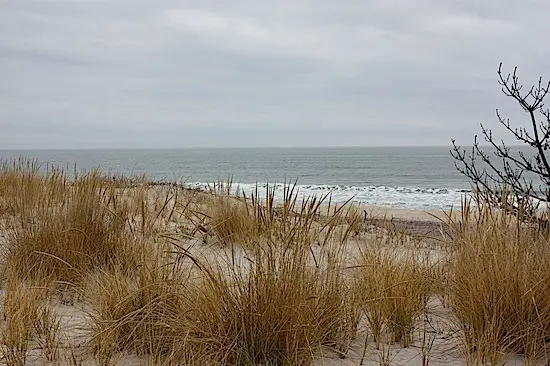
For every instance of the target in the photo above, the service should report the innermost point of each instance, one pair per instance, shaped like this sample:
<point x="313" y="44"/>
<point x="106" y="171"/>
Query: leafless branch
<point x="512" y="169"/>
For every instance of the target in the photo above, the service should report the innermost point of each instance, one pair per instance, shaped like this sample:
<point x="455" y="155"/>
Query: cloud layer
<point x="169" y="74"/>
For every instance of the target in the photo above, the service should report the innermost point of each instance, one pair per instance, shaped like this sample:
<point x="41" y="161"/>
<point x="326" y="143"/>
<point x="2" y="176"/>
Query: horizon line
<point x="238" y="147"/>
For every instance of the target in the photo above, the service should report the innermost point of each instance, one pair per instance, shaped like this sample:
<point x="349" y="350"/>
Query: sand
<point x="438" y="326"/>
<point x="406" y="214"/>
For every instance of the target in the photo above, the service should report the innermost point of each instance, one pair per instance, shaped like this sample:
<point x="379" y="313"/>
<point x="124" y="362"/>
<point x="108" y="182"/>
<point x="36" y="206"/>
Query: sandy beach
<point x="274" y="183"/>
<point x="224" y="239"/>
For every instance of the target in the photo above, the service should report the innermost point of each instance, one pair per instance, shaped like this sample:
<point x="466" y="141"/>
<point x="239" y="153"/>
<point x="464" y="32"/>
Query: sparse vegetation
<point x="174" y="276"/>
<point x="393" y="285"/>
<point x="22" y="307"/>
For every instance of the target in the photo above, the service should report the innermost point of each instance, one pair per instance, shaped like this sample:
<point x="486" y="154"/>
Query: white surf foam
<point x="398" y="197"/>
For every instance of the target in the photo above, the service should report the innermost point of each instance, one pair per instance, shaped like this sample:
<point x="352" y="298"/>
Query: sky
<point x="104" y="74"/>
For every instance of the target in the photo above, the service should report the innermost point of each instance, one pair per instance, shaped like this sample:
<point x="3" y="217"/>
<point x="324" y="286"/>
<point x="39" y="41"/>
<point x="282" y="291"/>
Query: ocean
<point x="401" y="177"/>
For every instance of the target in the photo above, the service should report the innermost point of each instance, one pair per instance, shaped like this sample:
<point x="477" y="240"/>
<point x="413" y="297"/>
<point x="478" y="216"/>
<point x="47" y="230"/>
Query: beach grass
<point x="167" y="275"/>
<point x="499" y="286"/>
<point x="393" y="285"/>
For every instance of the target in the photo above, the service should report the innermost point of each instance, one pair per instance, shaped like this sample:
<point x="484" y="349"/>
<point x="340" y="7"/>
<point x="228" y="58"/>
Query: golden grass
<point x="137" y="312"/>
<point x="48" y="332"/>
<point x="23" y="307"/>
<point x="279" y="309"/>
<point x="68" y="239"/>
<point x="276" y="287"/>
<point x="277" y="302"/>
<point x="231" y="221"/>
<point x="499" y="286"/>
<point x="24" y="190"/>
<point x="393" y="285"/>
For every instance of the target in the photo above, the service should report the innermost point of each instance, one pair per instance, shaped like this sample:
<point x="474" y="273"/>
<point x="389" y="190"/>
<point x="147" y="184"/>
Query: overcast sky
<point x="170" y="74"/>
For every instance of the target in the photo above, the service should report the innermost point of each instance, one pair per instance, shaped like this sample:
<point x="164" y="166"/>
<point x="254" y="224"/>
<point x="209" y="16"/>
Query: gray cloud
<point x="136" y="73"/>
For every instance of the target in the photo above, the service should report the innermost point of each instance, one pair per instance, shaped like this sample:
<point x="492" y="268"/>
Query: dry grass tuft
<point x="280" y="309"/>
<point x="26" y="191"/>
<point x="231" y="221"/>
<point x="393" y="285"/>
<point x="138" y="312"/>
<point x="22" y="308"/>
<point x="68" y="239"/>
<point x="48" y="332"/>
<point x="499" y="286"/>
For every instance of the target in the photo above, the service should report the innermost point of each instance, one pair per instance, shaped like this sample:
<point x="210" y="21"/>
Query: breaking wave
<point x="398" y="197"/>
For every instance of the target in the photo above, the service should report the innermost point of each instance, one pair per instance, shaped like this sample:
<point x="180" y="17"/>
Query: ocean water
<point x="404" y="177"/>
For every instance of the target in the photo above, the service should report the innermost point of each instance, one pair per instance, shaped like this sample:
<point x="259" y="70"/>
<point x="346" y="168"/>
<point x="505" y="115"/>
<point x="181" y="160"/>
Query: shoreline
<point x="415" y="222"/>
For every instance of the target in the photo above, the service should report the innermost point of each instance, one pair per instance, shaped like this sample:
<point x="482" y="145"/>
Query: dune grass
<point x="136" y="314"/>
<point x="66" y="239"/>
<point x="25" y="191"/>
<point x="277" y="302"/>
<point x="279" y="308"/>
<point x="393" y="284"/>
<point x="173" y="276"/>
<point x="23" y="308"/>
<point x="499" y="286"/>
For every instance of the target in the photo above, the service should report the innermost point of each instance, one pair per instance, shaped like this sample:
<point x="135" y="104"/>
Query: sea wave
<point x="399" y="197"/>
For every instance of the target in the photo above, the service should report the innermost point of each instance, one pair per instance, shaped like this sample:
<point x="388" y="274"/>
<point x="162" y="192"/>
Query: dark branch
<point x="512" y="171"/>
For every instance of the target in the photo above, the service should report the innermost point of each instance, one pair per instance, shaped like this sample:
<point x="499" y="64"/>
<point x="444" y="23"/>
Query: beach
<point x="274" y="183"/>
<point x="105" y="269"/>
